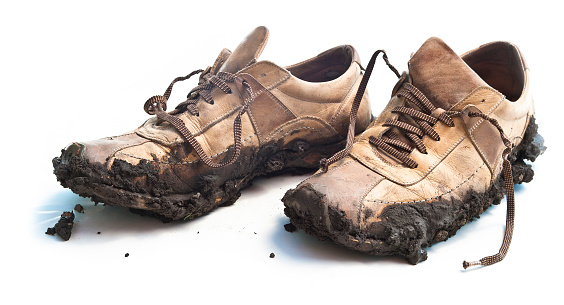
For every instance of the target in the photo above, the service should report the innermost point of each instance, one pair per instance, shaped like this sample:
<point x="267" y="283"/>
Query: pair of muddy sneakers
<point x="451" y="141"/>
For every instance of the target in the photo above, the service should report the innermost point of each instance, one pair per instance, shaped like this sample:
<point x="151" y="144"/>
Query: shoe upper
<point x="309" y="101"/>
<point x="465" y="158"/>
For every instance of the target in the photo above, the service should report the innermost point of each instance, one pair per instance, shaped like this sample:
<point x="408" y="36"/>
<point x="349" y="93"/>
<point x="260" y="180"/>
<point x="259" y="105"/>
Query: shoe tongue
<point x="442" y="75"/>
<point x="247" y="52"/>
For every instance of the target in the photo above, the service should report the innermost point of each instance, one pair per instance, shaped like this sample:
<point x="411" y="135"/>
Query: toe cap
<point x="99" y="151"/>
<point x="334" y="198"/>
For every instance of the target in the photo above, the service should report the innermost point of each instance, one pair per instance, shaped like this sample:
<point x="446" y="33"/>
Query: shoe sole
<point x="405" y="230"/>
<point x="117" y="186"/>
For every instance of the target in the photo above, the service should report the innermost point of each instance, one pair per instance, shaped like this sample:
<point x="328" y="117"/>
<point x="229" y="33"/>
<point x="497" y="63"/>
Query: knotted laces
<point x="415" y="120"/>
<point x="157" y="105"/>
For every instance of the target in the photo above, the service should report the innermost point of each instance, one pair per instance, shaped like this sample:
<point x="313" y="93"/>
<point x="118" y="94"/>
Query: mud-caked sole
<point x="405" y="230"/>
<point x="119" y="186"/>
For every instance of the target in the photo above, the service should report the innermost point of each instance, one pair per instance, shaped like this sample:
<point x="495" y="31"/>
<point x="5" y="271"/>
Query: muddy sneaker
<point x="245" y="118"/>
<point x="451" y="142"/>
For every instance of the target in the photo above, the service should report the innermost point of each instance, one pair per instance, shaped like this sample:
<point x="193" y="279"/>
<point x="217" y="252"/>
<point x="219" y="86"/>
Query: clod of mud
<point x="79" y="208"/>
<point x="290" y="227"/>
<point x="63" y="227"/>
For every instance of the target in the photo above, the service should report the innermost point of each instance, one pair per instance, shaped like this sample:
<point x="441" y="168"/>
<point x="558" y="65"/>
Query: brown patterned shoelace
<point x="509" y="187"/>
<point x="157" y="105"/>
<point x="324" y="163"/>
<point x="407" y="137"/>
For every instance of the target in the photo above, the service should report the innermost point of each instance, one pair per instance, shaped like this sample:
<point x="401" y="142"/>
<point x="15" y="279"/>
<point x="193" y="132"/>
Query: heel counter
<point x="341" y="119"/>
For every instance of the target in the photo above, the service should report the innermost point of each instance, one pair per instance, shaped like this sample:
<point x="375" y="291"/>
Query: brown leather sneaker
<point x="437" y="156"/>
<point x="245" y="118"/>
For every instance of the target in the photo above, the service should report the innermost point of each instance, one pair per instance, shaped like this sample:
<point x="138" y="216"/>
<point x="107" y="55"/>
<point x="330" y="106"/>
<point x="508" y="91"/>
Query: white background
<point x="71" y="71"/>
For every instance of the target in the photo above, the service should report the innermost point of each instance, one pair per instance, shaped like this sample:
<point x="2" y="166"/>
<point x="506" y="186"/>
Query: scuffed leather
<point x="440" y="74"/>
<point x="247" y="51"/>
<point x="285" y="108"/>
<point x="468" y="156"/>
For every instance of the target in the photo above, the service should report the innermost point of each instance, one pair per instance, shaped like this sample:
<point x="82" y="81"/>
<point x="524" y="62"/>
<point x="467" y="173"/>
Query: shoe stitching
<point x="186" y="162"/>
<point x="477" y="146"/>
<point x="440" y="157"/>
<point x="349" y="94"/>
<point x="251" y="116"/>
<point x="280" y="103"/>
<point x="284" y="78"/>
<point x="307" y="101"/>
<point x="305" y="127"/>
<point x="279" y="129"/>
<point x="213" y="122"/>
<point x="119" y="136"/>
<point x="471" y="95"/>
<point x="329" y="170"/>
<point x="254" y="123"/>
<point x="362" y="205"/>
<point x="117" y="149"/>
<point x="432" y="198"/>
<point x="423" y="174"/>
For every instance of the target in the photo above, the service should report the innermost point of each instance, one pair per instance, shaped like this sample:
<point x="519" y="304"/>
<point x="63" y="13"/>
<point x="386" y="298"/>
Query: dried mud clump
<point x="63" y="227"/>
<point x="79" y="208"/>
<point x="289" y="227"/>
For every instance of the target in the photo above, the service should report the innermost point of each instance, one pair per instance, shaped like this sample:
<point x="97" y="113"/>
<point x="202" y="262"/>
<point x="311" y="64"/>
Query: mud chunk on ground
<point x="290" y="227"/>
<point x="63" y="227"/>
<point x="79" y="208"/>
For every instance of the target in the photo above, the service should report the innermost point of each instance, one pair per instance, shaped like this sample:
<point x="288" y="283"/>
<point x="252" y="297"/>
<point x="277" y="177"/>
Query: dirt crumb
<point x="272" y="255"/>
<point x="126" y="254"/>
<point x="290" y="227"/>
<point x="79" y="208"/>
<point x="63" y="227"/>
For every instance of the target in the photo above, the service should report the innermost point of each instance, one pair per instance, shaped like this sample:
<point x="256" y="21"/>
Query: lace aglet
<point x="466" y="264"/>
<point x="323" y="164"/>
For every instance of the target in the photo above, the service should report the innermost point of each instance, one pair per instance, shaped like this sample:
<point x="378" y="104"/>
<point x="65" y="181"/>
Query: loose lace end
<point x="466" y="264"/>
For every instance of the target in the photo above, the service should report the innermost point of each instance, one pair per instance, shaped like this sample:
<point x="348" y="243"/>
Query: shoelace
<point x="509" y="187"/>
<point x="420" y="110"/>
<point x="157" y="105"/>
<point x="426" y="118"/>
<point x="324" y="163"/>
